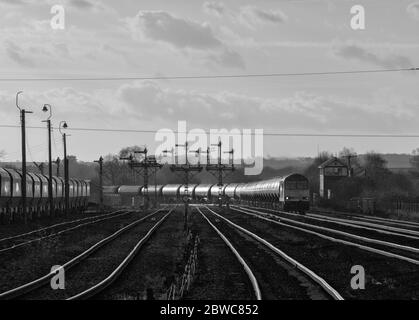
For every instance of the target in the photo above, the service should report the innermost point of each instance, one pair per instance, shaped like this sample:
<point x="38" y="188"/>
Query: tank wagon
<point x="191" y="192"/>
<point x="230" y="190"/>
<point x="289" y="193"/>
<point x="203" y="193"/>
<point x="217" y="192"/>
<point x="170" y="193"/>
<point x="130" y="195"/>
<point x="111" y="197"/>
<point x="37" y="202"/>
<point x="154" y="191"/>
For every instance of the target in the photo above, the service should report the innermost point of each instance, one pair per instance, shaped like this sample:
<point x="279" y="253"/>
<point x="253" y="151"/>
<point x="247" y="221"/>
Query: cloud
<point x="214" y="8"/>
<point x="195" y="39"/>
<point x="227" y="58"/>
<point x="79" y="5"/>
<point x="246" y="15"/>
<point x="251" y="16"/>
<point x="13" y="2"/>
<point x="181" y="33"/>
<point x="152" y="102"/>
<point x="303" y="111"/>
<point x="92" y="105"/>
<point x="90" y="5"/>
<point x="82" y="4"/>
<point x="413" y="10"/>
<point x="77" y="49"/>
<point x="355" y="52"/>
<point x="17" y="54"/>
<point x="158" y="105"/>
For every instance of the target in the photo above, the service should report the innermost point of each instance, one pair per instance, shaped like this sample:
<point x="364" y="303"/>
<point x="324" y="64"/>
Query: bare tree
<point x="351" y="159"/>
<point x="414" y="159"/>
<point x="375" y="165"/>
<point x="125" y="152"/>
<point x="347" y="152"/>
<point x="111" y="169"/>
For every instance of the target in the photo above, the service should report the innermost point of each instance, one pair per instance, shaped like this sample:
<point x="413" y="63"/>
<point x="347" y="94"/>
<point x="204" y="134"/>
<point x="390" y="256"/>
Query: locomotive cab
<point x="294" y="193"/>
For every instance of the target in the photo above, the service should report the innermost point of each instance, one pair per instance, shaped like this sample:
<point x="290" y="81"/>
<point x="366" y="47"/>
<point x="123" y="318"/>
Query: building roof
<point x="333" y="162"/>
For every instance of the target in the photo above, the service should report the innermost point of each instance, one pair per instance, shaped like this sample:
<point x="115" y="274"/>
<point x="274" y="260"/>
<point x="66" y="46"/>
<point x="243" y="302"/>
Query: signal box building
<point x="331" y="172"/>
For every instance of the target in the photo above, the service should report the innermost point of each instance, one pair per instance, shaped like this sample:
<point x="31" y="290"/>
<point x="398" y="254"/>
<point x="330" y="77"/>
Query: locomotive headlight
<point x="287" y="198"/>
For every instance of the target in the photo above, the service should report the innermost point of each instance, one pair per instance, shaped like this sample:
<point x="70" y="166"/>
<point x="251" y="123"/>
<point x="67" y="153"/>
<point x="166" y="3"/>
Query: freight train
<point x="289" y="193"/>
<point x="37" y="201"/>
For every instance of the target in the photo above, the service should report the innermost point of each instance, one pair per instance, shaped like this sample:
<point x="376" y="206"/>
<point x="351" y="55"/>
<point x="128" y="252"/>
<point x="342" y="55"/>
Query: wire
<point x="29" y="148"/>
<point x="8" y="156"/>
<point x="279" y="134"/>
<point x="256" y="75"/>
<point x="55" y="142"/>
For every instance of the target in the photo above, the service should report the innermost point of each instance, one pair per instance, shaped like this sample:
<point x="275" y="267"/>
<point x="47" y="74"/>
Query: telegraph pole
<point x="23" y="113"/>
<point x="51" y="204"/>
<point x="143" y="165"/>
<point x="47" y="108"/>
<point x="100" y="161"/>
<point x="155" y="188"/>
<point x="66" y="176"/>
<point x="219" y="169"/>
<point x="63" y="125"/>
<point x="186" y="168"/>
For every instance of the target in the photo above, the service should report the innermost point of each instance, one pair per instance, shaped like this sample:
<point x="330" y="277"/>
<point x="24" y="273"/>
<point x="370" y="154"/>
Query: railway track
<point x="280" y="276"/>
<point x="403" y="232"/>
<point x="333" y="259"/>
<point x="252" y="278"/>
<point x="221" y="276"/>
<point x="377" y="227"/>
<point x="386" y="221"/>
<point x="21" y="240"/>
<point x="77" y="273"/>
<point x="407" y="239"/>
<point x="383" y="247"/>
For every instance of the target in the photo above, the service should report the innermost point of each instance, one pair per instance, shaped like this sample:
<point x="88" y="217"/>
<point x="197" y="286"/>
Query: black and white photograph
<point x="207" y="156"/>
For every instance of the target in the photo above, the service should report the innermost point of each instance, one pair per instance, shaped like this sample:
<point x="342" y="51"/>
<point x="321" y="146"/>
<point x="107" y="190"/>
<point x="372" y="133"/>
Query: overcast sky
<point x="193" y="37"/>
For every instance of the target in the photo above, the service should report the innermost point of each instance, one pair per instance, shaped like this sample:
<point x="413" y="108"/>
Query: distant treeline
<point x="371" y="179"/>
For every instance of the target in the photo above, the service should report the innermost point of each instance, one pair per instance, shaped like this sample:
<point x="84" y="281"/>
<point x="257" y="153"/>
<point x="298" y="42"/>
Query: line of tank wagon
<point x="37" y="201"/>
<point x="290" y="192"/>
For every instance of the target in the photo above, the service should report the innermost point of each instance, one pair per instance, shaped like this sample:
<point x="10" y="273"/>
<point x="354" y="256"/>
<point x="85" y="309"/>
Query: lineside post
<point x="100" y="161"/>
<point x="23" y="113"/>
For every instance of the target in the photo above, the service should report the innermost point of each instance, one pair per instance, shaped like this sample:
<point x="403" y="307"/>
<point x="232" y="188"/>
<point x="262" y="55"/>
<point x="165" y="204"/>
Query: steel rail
<point x="57" y="225"/>
<point x="348" y="223"/>
<point x="360" y="246"/>
<point x="15" y="246"/>
<point x="377" y="219"/>
<point x="246" y="267"/>
<point x="347" y="234"/>
<point x="30" y="286"/>
<point x="99" y="287"/>
<point x="403" y="223"/>
<point x="369" y="224"/>
<point x="316" y="278"/>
